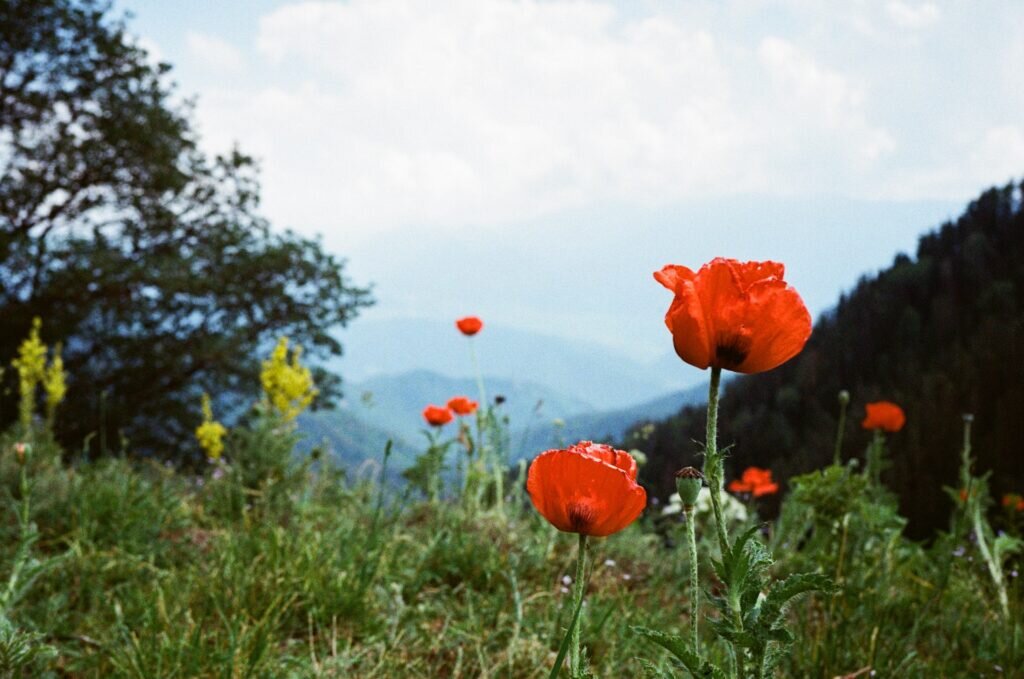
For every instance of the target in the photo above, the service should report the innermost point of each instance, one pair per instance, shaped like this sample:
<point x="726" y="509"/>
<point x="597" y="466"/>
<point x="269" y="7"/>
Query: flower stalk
<point x="578" y="587"/>
<point x="691" y="545"/>
<point x="844" y="402"/>
<point x="714" y="469"/>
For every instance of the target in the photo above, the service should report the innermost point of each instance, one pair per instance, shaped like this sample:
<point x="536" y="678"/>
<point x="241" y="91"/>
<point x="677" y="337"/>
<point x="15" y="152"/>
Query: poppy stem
<point x="691" y="544"/>
<point x="713" y="468"/>
<point x="873" y="468"/>
<point x="844" y="401"/>
<point x="477" y="374"/>
<point x="577" y="596"/>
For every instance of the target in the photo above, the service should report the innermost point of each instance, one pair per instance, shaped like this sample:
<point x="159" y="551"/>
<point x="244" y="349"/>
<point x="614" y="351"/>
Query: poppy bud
<point x="21" y="451"/>
<point x="844" y="398"/>
<point x="688" y="483"/>
<point x="968" y="418"/>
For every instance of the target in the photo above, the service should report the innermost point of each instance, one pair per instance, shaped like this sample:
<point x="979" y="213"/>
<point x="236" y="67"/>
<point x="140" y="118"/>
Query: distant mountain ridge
<point x="610" y="426"/>
<point x="390" y="407"/>
<point x="588" y="372"/>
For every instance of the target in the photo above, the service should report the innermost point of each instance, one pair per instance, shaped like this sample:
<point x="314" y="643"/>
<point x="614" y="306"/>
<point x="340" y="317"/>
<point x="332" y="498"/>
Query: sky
<point x="533" y="162"/>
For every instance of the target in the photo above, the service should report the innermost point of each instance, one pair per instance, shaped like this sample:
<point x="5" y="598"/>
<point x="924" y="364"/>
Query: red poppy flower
<point x="587" y="488"/>
<point x="1014" y="500"/>
<point x="469" y="326"/>
<point x="755" y="481"/>
<point x="437" y="416"/>
<point x="884" y="415"/>
<point x="739" y="316"/>
<point x="963" y="495"/>
<point x="460" y="405"/>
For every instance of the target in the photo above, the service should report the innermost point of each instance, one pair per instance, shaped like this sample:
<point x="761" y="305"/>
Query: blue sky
<point x="534" y="162"/>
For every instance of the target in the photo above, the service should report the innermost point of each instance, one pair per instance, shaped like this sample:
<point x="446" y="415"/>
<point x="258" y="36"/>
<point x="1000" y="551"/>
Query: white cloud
<point x="153" y="52"/>
<point x="378" y="114"/>
<point x="214" y="52"/>
<point x="910" y="15"/>
<point x="813" y="103"/>
<point x="487" y="111"/>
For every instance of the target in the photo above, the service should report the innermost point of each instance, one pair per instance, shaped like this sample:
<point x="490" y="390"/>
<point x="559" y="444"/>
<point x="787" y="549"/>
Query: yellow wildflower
<point x="31" y="366"/>
<point x="288" y="385"/>
<point x="210" y="433"/>
<point x="54" y="384"/>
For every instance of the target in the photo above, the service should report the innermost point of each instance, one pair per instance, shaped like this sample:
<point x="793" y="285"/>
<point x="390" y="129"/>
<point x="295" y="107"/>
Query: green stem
<point x="691" y="543"/>
<point x="713" y="467"/>
<point x="872" y="470"/>
<point x="577" y="596"/>
<point x="840" y="430"/>
<point x="714" y="471"/>
<point x="476" y="373"/>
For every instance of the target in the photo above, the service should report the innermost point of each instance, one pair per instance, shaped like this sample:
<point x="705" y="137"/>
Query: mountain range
<point x="386" y="408"/>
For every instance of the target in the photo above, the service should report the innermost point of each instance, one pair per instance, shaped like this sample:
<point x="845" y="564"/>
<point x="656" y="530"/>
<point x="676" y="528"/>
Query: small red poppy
<point x="755" y="481"/>
<point x="587" y="488"/>
<point x="1013" y="500"/>
<point x="460" y="405"/>
<point x="739" y="316"/>
<point x="437" y="416"/>
<point x="469" y="326"/>
<point x="884" y="415"/>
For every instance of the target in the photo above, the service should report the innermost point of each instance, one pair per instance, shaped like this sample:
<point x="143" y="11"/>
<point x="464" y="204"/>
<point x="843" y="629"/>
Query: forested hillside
<point x="941" y="333"/>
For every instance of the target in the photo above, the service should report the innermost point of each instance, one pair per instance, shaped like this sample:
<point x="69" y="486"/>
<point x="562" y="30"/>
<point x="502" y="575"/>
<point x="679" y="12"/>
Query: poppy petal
<point x="779" y="326"/>
<point x="581" y="493"/>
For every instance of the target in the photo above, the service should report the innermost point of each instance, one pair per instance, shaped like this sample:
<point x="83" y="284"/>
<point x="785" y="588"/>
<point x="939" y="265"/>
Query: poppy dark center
<point x="731" y="351"/>
<point x="581" y="516"/>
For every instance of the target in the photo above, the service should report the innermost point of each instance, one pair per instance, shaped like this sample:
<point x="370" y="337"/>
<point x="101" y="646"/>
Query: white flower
<point x="733" y="511"/>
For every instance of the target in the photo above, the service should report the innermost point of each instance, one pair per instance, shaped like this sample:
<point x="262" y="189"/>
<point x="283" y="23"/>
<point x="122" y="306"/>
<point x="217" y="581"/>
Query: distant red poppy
<point x="964" y="495"/>
<point x="755" y="481"/>
<point x="739" y="316"/>
<point x="884" y="415"/>
<point x="469" y="326"/>
<point x="587" y="488"/>
<point x="437" y="416"/>
<point x="1013" y="500"/>
<point x="460" y="405"/>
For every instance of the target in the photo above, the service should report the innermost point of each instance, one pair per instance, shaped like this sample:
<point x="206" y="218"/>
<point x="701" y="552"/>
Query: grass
<point x="280" y="569"/>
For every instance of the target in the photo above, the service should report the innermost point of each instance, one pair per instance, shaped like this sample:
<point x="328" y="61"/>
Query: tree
<point x="148" y="259"/>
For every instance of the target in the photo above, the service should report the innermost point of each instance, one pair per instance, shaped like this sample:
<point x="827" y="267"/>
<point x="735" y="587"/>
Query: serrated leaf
<point x="652" y="672"/>
<point x="784" y="591"/>
<point x="677" y="646"/>
<point x="1004" y="545"/>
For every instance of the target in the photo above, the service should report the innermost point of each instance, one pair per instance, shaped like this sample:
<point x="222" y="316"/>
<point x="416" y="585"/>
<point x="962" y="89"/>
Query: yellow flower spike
<point x="287" y="385"/>
<point x="31" y="367"/>
<point x="210" y="433"/>
<point x="54" y="384"/>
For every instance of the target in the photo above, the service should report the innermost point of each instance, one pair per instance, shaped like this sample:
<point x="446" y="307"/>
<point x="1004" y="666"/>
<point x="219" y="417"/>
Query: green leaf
<point x="784" y="591"/>
<point x="679" y="647"/>
<point x="1004" y="545"/>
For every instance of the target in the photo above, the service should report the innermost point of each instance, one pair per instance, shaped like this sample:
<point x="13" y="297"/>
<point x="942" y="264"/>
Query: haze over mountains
<point x="596" y="376"/>
<point x="554" y="389"/>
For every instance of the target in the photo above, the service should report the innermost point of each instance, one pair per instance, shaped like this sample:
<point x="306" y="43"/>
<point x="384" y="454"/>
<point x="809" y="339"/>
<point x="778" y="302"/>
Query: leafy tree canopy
<point x="147" y="258"/>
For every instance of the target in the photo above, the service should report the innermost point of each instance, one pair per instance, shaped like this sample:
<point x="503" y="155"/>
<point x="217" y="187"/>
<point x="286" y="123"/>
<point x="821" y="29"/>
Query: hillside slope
<point x="941" y="333"/>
